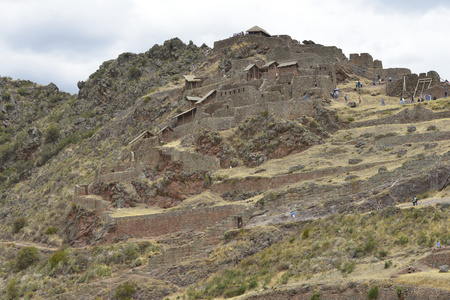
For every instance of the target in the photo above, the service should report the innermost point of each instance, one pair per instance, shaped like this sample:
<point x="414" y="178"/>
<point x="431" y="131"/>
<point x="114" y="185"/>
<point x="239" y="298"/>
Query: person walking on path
<point x="414" y="201"/>
<point x="382" y="102"/>
<point x="359" y="98"/>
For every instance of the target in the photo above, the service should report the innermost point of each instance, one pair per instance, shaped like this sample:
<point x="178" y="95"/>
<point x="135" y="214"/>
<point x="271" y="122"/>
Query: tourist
<point x="293" y="215"/>
<point x="359" y="98"/>
<point x="382" y="102"/>
<point x="315" y="83"/>
<point x="414" y="201"/>
<point x="438" y="244"/>
<point x="412" y="99"/>
<point x="346" y="98"/>
<point x="306" y="96"/>
<point x="445" y="95"/>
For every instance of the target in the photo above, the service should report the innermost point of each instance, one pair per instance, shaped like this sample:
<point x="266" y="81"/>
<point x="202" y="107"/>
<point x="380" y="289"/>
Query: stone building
<point x="288" y="68"/>
<point x="186" y="116"/>
<point x="192" y="82"/>
<point x="191" y="101"/>
<point x="252" y="72"/>
<point x="256" y="30"/>
<point x="165" y="134"/>
<point x="270" y="69"/>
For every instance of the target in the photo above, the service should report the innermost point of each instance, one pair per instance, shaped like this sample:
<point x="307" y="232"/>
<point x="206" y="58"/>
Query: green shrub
<point x="370" y="244"/>
<point x="373" y="293"/>
<point x="125" y="291"/>
<point x="12" y="291"/>
<point x="51" y="230"/>
<point x="22" y="92"/>
<point x="285" y="277"/>
<point x="57" y="257"/>
<point x="348" y="267"/>
<point x="387" y="264"/>
<point x="402" y="240"/>
<point x="382" y="253"/>
<point x="6" y="96"/>
<point x="130" y="252"/>
<point x="134" y="73"/>
<point x="399" y="292"/>
<point x="9" y="107"/>
<point x="315" y="296"/>
<point x="51" y="134"/>
<point x="25" y="258"/>
<point x="265" y="114"/>
<point x="305" y="234"/>
<point x="18" y="224"/>
<point x="253" y="283"/>
<point x="350" y="119"/>
<point x="422" y="239"/>
<point x="236" y="291"/>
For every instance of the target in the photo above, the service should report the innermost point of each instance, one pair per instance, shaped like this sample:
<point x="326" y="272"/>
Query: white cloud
<point x="64" y="41"/>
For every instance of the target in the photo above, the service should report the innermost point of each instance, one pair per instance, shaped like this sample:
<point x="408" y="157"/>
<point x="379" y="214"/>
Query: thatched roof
<point x="191" y="98"/>
<point x="249" y="67"/>
<point x="145" y="133"/>
<point x="288" y="64"/>
<point x="185" y="112"/>
<point x="206" y="96"/>
<point x="257" y="29"/>
<point x="191" y="78"/>
<point x="269" y="64"/>
<point x="164" y="128"/>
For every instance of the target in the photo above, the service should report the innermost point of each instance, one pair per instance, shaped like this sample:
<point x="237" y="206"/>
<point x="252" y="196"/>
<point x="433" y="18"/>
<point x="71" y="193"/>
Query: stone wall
<point x="359" y="291"/>
<point x="261" y="41"/>
<point x="93" y="203"/>
<point x="437" y="258"/>
<point x="174" y="221"/>
<point x="192" y="161"/>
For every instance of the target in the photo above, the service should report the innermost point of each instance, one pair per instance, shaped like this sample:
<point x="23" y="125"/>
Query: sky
<point x="64" y="41"/>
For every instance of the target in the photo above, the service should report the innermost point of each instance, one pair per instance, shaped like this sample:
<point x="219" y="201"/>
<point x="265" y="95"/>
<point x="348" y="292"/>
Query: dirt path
<point x="425" y="202"/>
<point x="40" y="247"/>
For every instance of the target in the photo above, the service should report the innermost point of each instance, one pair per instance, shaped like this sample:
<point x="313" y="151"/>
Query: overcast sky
<point x="64" y="41"/>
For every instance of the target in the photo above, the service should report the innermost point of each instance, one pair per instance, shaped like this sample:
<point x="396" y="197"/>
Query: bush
<point x="51" y="134"/>
<point x="12" y="291"/>
<point x="315" y="296"/>
<point x="134" y="73"/>
<point x="387" y="264"/>
<point x="305" y="234"/>
<point x="373" y="293"/>
<point x="51" y="230"/>
<point x="403" y="240"/>
<point x="26" y="257"/>
<point x="265" y="114"/>
<point x="125" y="291"/>
<point x="22" y="92"/>
<point x="236" y="291"/>
<point x="382" y="253"/>
<point x="57" y="257"/>
<point x="399" y="292"/>
<point x="18" y="224"/>
<point x="6" y="96"/>
<point x="348" y="267"/>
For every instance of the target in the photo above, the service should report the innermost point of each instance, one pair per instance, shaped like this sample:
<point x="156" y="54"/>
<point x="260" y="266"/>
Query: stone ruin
<point x="292" y="83"/>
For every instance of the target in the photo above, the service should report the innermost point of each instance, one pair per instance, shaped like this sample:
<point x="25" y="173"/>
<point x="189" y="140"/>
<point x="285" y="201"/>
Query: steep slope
<point x="153" y="217"/>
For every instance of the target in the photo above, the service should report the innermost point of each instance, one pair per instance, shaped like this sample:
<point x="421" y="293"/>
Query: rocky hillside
<point x="331" y="167"/>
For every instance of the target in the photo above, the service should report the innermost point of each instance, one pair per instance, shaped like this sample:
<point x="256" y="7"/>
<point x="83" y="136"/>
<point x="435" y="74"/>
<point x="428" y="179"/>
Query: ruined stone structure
<point x="249" y="87"/>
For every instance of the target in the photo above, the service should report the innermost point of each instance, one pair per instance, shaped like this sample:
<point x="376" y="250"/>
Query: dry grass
<point x="431" y="278"/>
<point x="140" y="210"/>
